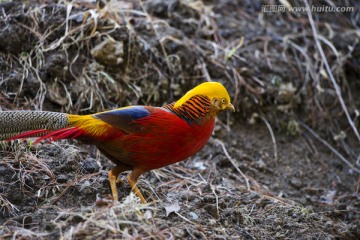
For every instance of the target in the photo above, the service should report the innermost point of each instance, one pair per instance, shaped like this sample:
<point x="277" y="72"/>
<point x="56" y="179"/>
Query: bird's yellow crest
<point x="209" y="89"/>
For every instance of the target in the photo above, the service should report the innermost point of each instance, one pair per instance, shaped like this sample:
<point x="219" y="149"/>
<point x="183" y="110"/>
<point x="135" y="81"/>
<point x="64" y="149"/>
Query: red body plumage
<point x="165" y="139"/>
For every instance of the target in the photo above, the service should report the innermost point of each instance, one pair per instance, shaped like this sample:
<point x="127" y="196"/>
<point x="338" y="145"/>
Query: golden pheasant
<point x="135" y="138"/>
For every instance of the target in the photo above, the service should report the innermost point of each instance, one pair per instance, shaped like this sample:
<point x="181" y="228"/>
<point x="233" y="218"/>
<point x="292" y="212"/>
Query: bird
<point x="135" y="138"/>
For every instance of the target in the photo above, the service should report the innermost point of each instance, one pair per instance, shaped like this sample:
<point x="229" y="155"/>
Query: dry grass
<point x="296" y="77"/>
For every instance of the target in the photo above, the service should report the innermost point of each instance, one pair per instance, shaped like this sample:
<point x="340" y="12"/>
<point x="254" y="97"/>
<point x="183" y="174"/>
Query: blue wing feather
<point x="134" y="112"/>
<point x="122" y="118"/>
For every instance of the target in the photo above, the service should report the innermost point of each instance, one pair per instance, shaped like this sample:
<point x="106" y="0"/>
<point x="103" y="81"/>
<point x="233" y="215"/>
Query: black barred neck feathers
<point x="193" y="110"/>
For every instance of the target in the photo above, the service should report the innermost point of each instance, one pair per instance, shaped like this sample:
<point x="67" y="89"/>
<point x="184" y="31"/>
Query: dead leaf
<point x="148" y="215"/>
<point x="174" y="207"/>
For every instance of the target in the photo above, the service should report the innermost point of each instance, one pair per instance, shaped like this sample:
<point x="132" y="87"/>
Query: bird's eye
<point x="223" y="100"/>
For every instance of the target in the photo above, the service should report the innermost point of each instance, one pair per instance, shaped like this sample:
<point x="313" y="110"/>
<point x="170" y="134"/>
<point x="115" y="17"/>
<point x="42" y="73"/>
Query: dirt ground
<point x="285" y="165"/>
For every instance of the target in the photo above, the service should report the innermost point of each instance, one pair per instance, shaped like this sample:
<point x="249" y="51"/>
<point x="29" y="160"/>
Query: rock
<point x="295" y="182"/>
<point x="212" y="222"/>
<point x="109" y="52"/>
<point x="193" y="216"/>
<point x="90" y="165"/>
<point x="62" y="178"/>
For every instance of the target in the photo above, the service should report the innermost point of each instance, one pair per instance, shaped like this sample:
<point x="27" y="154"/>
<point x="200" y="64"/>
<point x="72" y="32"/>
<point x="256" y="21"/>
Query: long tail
<point x="54" y="126"/>
<point x="24" y="124"/>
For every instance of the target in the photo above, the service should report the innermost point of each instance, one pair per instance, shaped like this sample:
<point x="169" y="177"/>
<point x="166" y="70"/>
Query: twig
<point x="330" y="147"/>
<point x="157" y="35"/>
<point x="213" y="189"/>
<point x="329" y="72"/>
<point x="272" y="137"/>
<point x="232" y="162"/>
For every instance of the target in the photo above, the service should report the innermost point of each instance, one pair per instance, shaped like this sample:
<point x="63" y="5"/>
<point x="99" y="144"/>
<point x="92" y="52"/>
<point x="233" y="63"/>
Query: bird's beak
<point x="230" y="107"/>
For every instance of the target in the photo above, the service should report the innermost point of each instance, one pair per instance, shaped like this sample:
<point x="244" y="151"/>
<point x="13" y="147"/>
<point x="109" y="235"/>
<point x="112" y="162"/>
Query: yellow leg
<point x="132" y="179"/>
<point x="113" y="175"/>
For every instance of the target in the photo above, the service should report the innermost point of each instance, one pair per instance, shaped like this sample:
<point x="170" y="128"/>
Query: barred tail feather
<point x="22" y="124"/>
